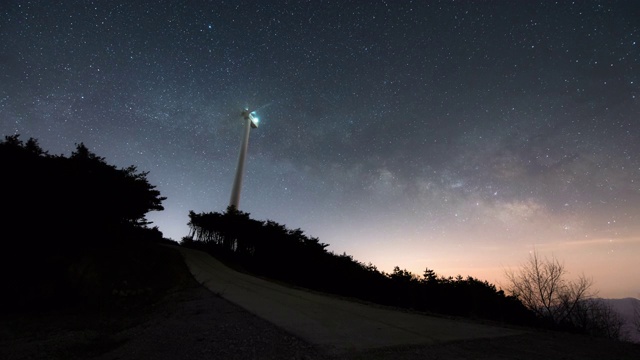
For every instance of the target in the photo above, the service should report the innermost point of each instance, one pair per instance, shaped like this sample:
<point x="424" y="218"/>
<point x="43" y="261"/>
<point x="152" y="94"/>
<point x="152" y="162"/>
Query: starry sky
<point x="454" y="135"/>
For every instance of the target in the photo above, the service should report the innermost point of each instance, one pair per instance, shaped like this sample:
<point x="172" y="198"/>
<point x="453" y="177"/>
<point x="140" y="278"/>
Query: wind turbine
<point x="250" y="122"/>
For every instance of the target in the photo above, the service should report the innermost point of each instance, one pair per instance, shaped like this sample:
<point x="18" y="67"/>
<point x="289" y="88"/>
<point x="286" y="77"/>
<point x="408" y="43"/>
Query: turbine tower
<point x="250" y="121"/>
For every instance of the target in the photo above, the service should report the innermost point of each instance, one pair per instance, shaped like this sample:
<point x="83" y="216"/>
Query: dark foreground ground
<point x="189" y="322"/>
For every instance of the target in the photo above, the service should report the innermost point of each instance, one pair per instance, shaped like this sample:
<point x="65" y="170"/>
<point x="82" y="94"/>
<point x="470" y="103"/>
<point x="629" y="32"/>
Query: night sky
<point x="458" y="136"/>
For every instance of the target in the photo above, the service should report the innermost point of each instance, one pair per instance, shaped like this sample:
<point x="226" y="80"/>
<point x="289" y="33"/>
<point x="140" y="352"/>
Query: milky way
<point x="457" y="136"/>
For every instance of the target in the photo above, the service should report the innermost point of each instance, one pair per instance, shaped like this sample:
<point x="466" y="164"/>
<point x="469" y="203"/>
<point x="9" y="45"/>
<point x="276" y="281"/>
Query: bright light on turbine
<point x="254" y="119"/>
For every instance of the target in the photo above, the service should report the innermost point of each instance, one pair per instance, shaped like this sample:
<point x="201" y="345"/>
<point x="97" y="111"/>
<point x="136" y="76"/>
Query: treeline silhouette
<point x="269" y="249"/>
<point x="57" y="209"/>
<point x="76" y="222"/>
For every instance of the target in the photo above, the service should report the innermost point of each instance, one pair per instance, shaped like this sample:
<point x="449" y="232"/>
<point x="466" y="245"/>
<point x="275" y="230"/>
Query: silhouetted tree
<point x="79" y="198"/>
<point x="541" y="285"/>
<point x="429" y="276"/>
<point x="58" y="209"/>
<point x="595" y="317"/>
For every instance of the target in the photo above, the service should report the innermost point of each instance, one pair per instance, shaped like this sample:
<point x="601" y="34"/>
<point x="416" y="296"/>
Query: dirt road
<point x="190" y="322"/>
<point x="336" y="325"/>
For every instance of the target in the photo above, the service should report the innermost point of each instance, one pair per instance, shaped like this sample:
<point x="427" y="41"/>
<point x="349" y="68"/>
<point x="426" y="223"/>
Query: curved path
<point x="336" y="325"/>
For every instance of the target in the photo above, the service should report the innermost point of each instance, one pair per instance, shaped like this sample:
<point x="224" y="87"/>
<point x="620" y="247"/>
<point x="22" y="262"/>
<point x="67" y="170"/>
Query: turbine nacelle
<point x="252" y="116"/>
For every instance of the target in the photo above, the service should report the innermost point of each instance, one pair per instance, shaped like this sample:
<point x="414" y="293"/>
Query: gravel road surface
<point x="270" y="321"/>
<point x="337" y="326"/>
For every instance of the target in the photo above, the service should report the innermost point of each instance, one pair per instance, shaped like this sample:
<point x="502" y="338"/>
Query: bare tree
<point x="598" y="318"/>
<point x="541" y="285"/>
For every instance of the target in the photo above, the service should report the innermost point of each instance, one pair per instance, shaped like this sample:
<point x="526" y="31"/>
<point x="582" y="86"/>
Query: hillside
<point x="162" y="314"/>
<point x="84" y="277"/>
<point x="186" y="321"/>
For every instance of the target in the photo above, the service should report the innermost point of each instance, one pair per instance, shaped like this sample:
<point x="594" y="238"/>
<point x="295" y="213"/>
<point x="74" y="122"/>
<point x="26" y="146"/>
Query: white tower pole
<point x="249" y="122"/>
